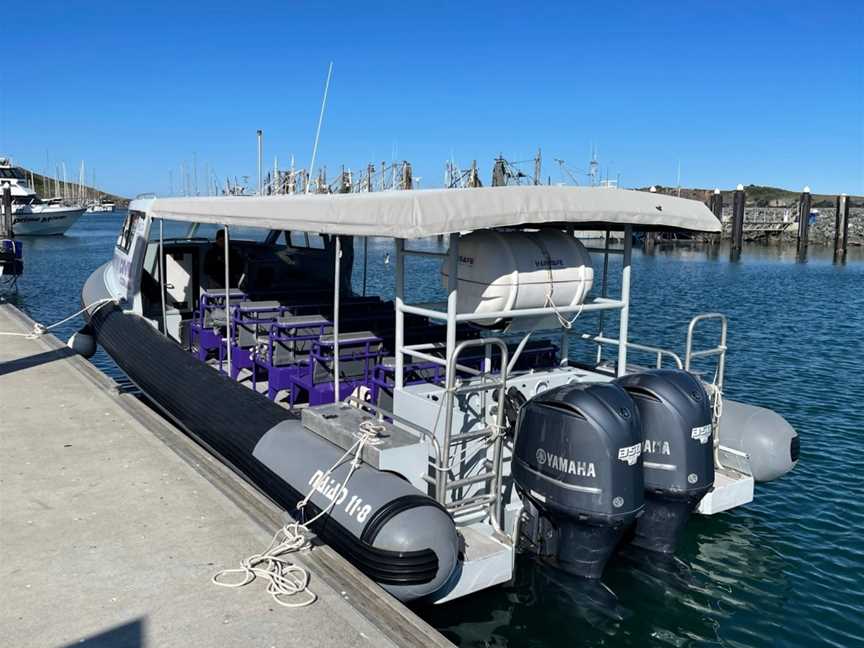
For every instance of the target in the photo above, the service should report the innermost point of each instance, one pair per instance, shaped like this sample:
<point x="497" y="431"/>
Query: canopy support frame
<point x="162" y="278"/>
<point x="227" y="300"/>
<point x="337" y="284"/>
<point x="625" y="299"/>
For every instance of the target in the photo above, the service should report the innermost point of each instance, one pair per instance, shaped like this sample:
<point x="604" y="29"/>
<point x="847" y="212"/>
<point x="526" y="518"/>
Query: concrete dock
<point x="112" y="523"/>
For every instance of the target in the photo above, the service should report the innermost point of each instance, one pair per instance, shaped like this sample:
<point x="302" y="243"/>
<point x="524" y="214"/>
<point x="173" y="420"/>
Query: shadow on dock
<point x="35" y="360"/>
<point x="127" y="635"/>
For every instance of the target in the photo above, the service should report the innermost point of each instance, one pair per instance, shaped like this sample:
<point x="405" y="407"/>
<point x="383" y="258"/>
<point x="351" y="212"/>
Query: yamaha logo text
<point x="565" y="464"/>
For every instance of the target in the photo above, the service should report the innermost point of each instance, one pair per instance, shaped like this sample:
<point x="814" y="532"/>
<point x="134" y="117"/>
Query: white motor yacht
<point x="33" y="216"/>
<point x="101" y="206"/>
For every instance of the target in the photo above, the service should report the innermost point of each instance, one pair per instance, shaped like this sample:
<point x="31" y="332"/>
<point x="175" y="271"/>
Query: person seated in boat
<point x="214" y="263"/>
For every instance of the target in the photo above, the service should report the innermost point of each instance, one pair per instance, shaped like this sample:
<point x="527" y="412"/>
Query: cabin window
<point x="255" y="234"/>
<point x="171" y="229"/>
<point x="298" y="240"/>
<point x="316" y="241"/>
<point x="124" y="241"/>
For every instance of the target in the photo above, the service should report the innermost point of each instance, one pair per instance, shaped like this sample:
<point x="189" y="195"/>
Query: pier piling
<point x="804" y="204"/>
<point x="738" y="201"/>
<point x="6" y="219"/>
<point x="715" y="204"/>
<point x="841" y="228"/>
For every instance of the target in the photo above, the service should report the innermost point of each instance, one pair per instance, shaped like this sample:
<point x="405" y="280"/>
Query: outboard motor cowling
<point x="577" y="462"/>
<point x="677" y="452"/>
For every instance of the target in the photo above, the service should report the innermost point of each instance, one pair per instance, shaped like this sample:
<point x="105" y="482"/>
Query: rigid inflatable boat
<point x="487" y="440"/>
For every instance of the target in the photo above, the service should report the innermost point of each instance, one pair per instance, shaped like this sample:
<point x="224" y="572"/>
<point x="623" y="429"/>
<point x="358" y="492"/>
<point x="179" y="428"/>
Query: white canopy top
<point x="429" y="212"/>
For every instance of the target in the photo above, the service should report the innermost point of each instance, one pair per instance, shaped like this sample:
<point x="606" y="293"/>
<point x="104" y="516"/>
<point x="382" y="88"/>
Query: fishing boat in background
<point x="33" y="216"/>
<point x="473" y="439"/>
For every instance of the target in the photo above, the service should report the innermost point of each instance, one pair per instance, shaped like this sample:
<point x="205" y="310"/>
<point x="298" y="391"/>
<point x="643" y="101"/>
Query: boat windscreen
<point x="174" y="229"/>
<point x="13" y="173"/>
<point x="253" y="234"/>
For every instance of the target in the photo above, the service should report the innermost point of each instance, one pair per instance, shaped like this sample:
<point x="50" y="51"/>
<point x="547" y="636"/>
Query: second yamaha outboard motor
<point x="576" y="463"/>
<point x="677" y="452"/>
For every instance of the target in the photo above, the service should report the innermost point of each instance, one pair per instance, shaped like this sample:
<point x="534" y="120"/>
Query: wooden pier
<point x="757" y="230"/>
<point x="113" y="523"/>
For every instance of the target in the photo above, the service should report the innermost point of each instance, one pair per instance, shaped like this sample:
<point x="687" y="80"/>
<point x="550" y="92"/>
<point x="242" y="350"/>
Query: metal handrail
<point x="601" y="340"/>
<point x="719" y="350"/>
<point x="599" y="304"/>
<point x="498" y="452"/>
<point x="414" y="353"/>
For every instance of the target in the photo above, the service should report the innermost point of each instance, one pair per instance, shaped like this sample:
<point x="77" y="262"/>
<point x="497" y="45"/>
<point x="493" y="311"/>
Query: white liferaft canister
<point x="512" y="270"/>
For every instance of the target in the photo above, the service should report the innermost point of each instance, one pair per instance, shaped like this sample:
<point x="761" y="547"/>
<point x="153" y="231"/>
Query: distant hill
<point x="48" y="187"/>
<point x="759" y="196"/>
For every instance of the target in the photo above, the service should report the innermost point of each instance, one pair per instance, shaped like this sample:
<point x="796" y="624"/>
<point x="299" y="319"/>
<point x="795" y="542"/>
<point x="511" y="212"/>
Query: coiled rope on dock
<point x="286" y="580"/>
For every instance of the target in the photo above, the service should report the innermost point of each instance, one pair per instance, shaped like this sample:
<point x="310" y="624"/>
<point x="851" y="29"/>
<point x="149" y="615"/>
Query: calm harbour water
<point x="787" y="570"/>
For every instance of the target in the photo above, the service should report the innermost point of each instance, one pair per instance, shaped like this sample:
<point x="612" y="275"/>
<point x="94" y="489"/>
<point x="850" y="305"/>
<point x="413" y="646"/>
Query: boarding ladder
<point x="716" y="385"/>
<point x="719" y="350"/>
<point x="490" y="471"/>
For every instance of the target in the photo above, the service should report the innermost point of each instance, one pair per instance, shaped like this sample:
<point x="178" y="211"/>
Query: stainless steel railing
<point x="719" y="350"/>
<point x="660" y="352"/>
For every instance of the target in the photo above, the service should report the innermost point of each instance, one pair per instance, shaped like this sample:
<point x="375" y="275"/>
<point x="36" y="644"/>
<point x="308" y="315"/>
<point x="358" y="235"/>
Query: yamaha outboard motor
<point x="576" y="463"/>
<point x="677" y="452"/>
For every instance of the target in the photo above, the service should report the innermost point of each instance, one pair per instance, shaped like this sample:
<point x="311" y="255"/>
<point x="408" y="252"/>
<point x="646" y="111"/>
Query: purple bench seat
<point x="286" y="347"/>
<point x="206" y="332"/>
<point x="536" y="355"/>
<point x="250" y="320"/>
<point x="359" y="353"/>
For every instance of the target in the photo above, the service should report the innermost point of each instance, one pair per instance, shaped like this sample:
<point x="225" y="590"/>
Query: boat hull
<point x="51" y="221"/>
<point x="401" y="539"/>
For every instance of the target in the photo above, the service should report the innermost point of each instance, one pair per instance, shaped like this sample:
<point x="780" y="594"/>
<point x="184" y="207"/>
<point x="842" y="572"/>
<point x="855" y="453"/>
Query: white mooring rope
<point x="716" y="396"/>
<point x="40" y="329"/>
<point x="285" y="579"/>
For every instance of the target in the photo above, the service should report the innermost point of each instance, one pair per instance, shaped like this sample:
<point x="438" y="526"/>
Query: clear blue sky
<point x="752" y="92"/>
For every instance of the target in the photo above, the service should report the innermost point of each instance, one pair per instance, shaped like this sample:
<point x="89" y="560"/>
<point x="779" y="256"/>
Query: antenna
<point x="565" y="169"/>
<point x="320" y="121"/>
<point x="538" y="167"/>
<point x="593" y="167"/>
<point x="260" y="134"/>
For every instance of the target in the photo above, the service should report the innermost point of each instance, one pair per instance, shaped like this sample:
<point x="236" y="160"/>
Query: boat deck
<point x="113" y="523"/>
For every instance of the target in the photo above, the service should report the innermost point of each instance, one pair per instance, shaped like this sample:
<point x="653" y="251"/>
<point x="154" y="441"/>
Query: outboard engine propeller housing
<point x="677" y="452"/>
<point x="577" y="463"/>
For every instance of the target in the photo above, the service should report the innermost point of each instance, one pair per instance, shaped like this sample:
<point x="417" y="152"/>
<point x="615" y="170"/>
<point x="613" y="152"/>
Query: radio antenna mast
<point x="320" y="121"/>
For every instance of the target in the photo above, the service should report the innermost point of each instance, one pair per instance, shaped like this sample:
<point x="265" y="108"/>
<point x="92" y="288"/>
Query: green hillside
<point x="759" y="196"/>
<point x="48" y="187"/>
